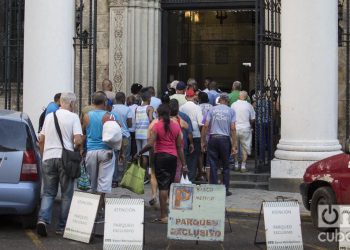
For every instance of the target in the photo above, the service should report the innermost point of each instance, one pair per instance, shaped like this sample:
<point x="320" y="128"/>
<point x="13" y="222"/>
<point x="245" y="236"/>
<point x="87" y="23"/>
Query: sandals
<point x="160" y="221"/>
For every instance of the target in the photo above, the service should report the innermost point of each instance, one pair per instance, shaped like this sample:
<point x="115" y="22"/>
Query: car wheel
<point x="29" y="220"/>
<point x="322" y="196"/>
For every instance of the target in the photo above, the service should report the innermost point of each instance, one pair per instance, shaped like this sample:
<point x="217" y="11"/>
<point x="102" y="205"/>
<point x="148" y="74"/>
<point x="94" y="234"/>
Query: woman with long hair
<point x="166" y="142"/>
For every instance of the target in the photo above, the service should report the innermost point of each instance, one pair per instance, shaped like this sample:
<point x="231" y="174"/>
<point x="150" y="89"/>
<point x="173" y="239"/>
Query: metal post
<point x="94" y="48"/>
<point x="90" y="51"/>
<point x="18" y="62"/>
<point x="81" y="55"/>
<point x="347" y="67"/>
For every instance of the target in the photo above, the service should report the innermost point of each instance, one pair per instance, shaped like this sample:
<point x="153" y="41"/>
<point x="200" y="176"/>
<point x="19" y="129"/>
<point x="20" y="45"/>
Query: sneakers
<point x="146" y="181"/>
<point x="60" y="231"/>
<point x="41" y="229"/>
<point x="114" y="184"/>
<point x="228" y="193"/>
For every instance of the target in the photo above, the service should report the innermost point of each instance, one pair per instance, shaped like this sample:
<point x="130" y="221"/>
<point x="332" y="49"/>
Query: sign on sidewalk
<point x="81" y="217"/>
<point x="124" y="224"/>
<point x="282" y="225"/>
<point x="196" y="212"/>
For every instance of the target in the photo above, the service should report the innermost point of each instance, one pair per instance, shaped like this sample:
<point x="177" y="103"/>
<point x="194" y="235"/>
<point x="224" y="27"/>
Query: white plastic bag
<point x="112" y="134"/>
<point x="185" y="180"/>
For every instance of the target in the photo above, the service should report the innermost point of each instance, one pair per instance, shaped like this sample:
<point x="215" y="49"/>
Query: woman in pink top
<point x="166" y="142"/>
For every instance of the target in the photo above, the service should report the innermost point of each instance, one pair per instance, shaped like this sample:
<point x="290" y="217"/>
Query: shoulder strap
<point x="58" y="129"/>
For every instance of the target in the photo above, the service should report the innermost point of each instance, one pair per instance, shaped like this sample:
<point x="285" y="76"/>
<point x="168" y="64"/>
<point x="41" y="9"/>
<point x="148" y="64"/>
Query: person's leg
<point x="91" y="166"/>
<point x="67" y="189"/>
<point x="50" y="178"/>
<point x="105" y="171"/>
<point x="213" y="157"/>
<point x="239" y="150"/>
<point x="154" y="183"/>
<point x="224" y="147"/>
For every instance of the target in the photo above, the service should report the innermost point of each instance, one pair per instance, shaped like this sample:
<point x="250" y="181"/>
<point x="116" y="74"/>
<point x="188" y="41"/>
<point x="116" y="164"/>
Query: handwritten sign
<point x="124" y="220"/>
<point x="196" y="212"/>
<point x="81" y="217"/>
<point x="282" y="225"/>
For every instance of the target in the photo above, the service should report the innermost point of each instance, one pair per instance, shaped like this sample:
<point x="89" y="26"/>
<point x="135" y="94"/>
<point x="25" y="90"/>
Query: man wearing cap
<point x="180" y="93"/>
<point x="194" y="111"/>
<point x="220" y="124"/>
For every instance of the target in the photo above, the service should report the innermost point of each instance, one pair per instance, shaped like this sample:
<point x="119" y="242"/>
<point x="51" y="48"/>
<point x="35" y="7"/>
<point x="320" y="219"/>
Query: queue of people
<point x="185" y="132"/>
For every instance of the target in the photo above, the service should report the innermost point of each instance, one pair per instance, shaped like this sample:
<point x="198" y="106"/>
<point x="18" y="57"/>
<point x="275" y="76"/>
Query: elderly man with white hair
<point x="52" y="168"/>
<point x="245" y="115"/>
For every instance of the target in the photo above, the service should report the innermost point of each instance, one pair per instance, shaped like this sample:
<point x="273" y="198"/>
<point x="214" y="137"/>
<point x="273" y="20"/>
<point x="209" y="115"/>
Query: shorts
<point x="165" y="169"/>
<point x="100" y="166"/>
<point x="140" y="143"/>
<point x="244" y="139"/>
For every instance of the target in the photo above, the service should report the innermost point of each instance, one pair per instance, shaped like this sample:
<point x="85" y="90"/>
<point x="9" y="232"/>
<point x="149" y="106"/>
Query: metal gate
<point x="268" y="85"/>
<point x="85" y="48"/>
<point x="11" y="53"/>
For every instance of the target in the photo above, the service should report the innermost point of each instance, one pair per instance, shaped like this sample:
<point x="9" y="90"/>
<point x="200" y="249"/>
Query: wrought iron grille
<point x="344" y="41"/>
<point x="11" y="53"/>
<point x="85" y="44"/>
<point x="268" y="85"/>
<point x="206" y="4"/>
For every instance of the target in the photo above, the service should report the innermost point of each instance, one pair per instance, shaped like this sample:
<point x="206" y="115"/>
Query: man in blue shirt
<point x="53" y="106"/>
<point x="124" y="117"/>
<point x="220" y="124"/>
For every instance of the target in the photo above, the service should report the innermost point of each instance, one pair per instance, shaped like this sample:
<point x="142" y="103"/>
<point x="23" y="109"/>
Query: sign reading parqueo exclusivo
<point x="196" y="212"/>
<point x="282" y="225"/>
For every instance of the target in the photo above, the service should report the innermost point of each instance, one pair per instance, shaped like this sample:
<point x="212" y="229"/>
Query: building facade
<point x="74" y="45"/>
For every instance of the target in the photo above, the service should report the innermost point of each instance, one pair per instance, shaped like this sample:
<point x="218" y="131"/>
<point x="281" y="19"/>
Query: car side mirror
<point x="347" y="146"/>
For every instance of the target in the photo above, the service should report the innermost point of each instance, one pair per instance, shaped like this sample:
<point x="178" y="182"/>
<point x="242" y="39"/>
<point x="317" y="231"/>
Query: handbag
<point x="70" y="159"/>
<point x="83" y="182"/>
<point x="112" y="133"/>
<point x="133" y="178"/>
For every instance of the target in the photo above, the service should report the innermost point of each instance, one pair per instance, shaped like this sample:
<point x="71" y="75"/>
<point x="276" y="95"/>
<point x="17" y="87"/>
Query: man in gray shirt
<point x="220" y="124"/>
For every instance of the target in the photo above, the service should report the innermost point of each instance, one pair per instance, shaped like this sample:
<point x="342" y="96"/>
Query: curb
<point x="305" y="217"/>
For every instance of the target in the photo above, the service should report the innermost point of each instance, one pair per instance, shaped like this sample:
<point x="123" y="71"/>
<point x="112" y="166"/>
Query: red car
<point x="326" y="182"/>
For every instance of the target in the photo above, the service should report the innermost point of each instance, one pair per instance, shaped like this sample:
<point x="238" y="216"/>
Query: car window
<point x="14" y="136"/>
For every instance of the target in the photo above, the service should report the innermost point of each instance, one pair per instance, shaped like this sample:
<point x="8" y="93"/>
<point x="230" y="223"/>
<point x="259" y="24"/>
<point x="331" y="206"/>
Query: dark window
<point x="14" y="136"/>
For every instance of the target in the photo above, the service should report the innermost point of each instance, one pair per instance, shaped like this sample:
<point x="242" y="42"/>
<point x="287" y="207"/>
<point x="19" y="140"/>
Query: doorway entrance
<point x="212" y="43"/>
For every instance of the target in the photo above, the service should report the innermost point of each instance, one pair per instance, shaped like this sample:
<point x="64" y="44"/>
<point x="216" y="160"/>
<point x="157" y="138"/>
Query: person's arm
<point x="180" y="153"/>
<point x="129" y="118"/>
<point x="233" y="139"/>
<point x="190" y="145"/>
<point x="148" y="146"/>
<point x="41" y="144"/>
<point x="204" y="136"/>
<point x="150" y="111"/>
<point x="183" y="124"/>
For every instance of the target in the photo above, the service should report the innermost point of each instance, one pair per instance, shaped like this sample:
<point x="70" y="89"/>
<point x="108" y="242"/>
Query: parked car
<point x="20" y="168"/>
<point x="326" y="182"/>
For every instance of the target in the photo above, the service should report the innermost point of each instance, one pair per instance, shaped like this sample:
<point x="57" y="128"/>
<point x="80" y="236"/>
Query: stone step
<point x="249" y="185"/>
<point x="249" y="176"/>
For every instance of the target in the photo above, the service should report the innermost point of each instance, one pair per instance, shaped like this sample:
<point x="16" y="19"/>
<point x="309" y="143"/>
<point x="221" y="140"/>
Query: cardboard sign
<point x="197" y="212"/>
<point x="124" y="220"/>
<point x="81" y="217"/>
<point x="282" y="225"/>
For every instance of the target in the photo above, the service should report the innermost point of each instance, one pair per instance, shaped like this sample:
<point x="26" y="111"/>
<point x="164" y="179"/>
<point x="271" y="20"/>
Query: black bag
<point x="41" y="120"/>
<point x="70" y="159"/>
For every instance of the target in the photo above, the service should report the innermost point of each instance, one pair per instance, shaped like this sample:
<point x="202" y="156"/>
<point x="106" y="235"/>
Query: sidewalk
<point x="242" y="201"/>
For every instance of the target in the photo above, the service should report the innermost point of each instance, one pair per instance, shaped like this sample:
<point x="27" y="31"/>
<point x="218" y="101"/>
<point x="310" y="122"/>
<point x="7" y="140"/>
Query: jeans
<point x="120" y="168"/>
<point x="53" y="175"/>
<point x="115" y="160"/>
<point x="219" y="148"/>
<point x="192" y="159"/>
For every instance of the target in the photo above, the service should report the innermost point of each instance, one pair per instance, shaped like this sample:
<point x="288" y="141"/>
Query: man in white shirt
<point x="52" y="169"/>
<point x="194" y="111"/>
<point x="245" y="115"/>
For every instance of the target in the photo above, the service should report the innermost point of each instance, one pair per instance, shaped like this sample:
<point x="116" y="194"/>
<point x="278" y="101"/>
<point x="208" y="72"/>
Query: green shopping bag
<point x="133" y="178"/>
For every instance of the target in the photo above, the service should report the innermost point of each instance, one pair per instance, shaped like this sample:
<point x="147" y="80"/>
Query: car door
<point x="13" y="142"/>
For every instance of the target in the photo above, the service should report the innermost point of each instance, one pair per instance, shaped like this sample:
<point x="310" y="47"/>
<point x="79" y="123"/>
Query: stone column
<point x="309" y="78"/>
<point x="134" y="52"/>
<point x="48" y="53"/>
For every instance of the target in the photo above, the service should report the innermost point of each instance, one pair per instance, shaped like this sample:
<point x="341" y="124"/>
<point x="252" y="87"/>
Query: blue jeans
<point x="192" y="159"/>
<point x="219" y="148"/>
<point x="115" y="157"/>
<point x="53" y="174"/>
